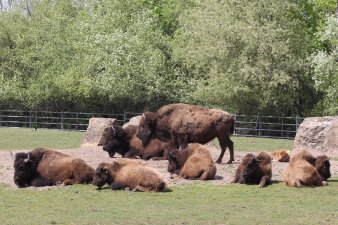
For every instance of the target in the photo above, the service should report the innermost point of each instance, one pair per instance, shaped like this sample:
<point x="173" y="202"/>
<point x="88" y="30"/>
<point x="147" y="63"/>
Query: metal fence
<point x="256" y="126"/>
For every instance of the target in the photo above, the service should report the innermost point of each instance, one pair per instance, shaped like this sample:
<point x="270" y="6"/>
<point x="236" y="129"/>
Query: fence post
<point x="282" y="133"/>
<point x="77" y="121"/>
<point x="36" y="119"/>
<point x="260" y="126"/>
<point x="297" y="123"/>
<point x="124" y="117"/>
<point x="0" y="117"/>
<point x="62" y="120"/>
<point x="30" y="118"/>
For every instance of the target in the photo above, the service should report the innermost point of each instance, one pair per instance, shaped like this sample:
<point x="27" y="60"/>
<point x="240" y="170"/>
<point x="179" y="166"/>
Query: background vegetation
<point x="252" y="57"/>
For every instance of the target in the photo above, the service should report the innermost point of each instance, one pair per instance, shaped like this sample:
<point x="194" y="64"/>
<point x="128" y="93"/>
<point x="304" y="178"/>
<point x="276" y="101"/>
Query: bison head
<point x="116" y="141"/>
<point x="111" y="147"/>
<point x="323" y="166"/>
<point x="24" y="169"/>
<point x="250" y="164"/>
<point x="102" y="176"/>
<point x="173" y="163"/>
<point x="146" y="127"/>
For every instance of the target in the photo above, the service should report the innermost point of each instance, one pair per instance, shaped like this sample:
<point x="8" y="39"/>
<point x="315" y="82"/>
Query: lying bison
<point x="44" y="167"/>
<point x="306" y="170"/>
<point x="126" y="143"/>
<point x="280" y="156"/>
<point x="192" y="162"/>
<point x="125" y="173"/>
<point x="254" y="170"/>
<point x="183" y="124"/>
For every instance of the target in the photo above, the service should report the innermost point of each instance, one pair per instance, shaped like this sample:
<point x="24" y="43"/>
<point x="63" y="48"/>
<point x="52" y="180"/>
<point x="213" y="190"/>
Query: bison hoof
<point x="230" y="161"/>
<point x="324" y="183"/>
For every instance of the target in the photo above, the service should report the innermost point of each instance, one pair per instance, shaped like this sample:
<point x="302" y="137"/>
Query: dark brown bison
<point x="280" y="156"/>
<point x="45" y="167"/>
<point x="185" y="124"/>
<point x="124" y="173"/>
<point x="254" y="170"/>
<point x="126" y="143"/>
<point x="306" y="170"/>
<point x="192" y="162"/>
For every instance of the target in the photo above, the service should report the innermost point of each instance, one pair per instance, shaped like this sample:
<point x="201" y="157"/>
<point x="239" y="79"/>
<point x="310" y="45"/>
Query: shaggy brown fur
<point x="125" y="173"/>
<point x="254" y="170"/>
<point x="126" y="143"/>
<point x="302" y="171"/>
<point x="44" y="167"/>
<point x="192" y="162"/>
<point x="185" y="124"/>
<point x="280" y="156"/>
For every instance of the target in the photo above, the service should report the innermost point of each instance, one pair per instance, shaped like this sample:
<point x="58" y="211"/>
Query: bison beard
<point x="183" y="124"/>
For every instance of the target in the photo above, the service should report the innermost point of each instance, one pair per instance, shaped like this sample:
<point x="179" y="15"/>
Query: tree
<point x="246" y="56"/>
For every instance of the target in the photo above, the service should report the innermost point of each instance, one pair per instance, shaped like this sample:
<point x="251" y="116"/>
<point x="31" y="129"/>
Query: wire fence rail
<point x="255" y="126"/>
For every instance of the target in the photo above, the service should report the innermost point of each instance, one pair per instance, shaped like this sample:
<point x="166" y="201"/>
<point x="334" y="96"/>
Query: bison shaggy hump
<point x="183" y="124"/>
<point x="306" y="170"/>
<point x="192" y="162"/>
<point x="44" y="167"/>
<point x="254" y="170"/>
<point x="124" y="173"/>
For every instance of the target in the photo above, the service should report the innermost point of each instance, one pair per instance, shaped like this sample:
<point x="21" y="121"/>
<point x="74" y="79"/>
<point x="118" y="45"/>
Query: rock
<point x="319" y="135"/>
<point x="95" y="131"/>
<point x="133" y="121"/>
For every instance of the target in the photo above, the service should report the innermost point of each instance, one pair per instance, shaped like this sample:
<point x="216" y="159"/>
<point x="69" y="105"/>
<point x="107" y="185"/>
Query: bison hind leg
<point x="141" y="188"/>
<point x="117" y="186"/>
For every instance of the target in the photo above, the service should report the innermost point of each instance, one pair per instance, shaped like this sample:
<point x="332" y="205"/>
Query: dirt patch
<point x="95" y="155"/>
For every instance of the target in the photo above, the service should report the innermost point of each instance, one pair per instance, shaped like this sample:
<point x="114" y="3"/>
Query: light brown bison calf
<point x="125" y="173"/>
<point x="306" y="170"/>
<point x="254" y="170"/>
<point x="280" y="156"/>
<point x="192" y="162"/>
<point x="44" y="167"/>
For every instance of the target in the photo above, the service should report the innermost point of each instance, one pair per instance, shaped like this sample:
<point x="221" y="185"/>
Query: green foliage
<point x="325" y="65"/>
<point x="246" y="57"/>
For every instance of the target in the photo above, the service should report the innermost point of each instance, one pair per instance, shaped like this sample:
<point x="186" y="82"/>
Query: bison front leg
<point x="141" y="188"/>
<point x="264" y="181"/>
<point x="224" y="143"/>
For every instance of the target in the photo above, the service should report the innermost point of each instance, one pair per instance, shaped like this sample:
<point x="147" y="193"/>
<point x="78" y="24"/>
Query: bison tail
<point x="232" y="128"/>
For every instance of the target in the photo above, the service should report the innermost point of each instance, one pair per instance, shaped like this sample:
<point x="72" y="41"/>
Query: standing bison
<point x="126" y="143"/>
<point x="183" y="124"/>
<point x="306" y="170"/>
<point x="192" y="162"/>
<point x="254" y="170"/>
<point x="44" y="167"/>
<point x="125" y="173"/>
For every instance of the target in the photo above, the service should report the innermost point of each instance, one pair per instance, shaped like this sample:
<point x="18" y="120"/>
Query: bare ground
<point x="95" y="155"/>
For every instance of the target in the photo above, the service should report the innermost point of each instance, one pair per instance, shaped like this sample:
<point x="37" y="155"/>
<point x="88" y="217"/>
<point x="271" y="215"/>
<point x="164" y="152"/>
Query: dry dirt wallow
<point x="95" y="155"/>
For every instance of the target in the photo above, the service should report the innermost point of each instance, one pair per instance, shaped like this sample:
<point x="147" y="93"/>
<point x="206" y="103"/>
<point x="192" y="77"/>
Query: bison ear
<point x="150" y="118"/>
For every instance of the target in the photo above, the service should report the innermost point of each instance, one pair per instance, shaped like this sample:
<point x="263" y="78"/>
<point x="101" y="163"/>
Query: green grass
<point x="22" y="138"/>
<point x="259" y="144"/>
<point x="186" y="204"/>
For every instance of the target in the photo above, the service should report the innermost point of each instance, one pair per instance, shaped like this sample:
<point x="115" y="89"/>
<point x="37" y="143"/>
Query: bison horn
<point x="114" y="131"/>
<point x="28" y="158"/>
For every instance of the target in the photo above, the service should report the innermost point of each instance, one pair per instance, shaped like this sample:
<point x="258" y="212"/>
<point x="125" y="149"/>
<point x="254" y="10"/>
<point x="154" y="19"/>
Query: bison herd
<point x="175" y="133"/>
